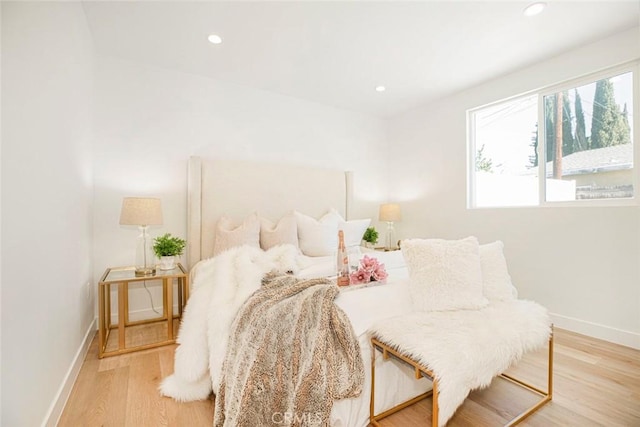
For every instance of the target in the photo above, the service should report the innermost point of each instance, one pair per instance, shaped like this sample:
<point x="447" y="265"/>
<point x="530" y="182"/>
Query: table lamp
<point x="390" y="213"/>
<point x="143" y="212"/>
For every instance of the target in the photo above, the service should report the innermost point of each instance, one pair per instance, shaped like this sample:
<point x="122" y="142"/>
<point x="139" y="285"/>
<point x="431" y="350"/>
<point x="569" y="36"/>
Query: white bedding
<point x="395" y="383"/>
<point x="220" y="187"/>
<point x="222" y="284"/>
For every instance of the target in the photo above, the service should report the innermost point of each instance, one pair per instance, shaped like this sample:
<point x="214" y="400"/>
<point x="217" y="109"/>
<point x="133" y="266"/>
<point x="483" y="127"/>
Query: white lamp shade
<point x="390" y="212"/>
<point x="141" y="211"/>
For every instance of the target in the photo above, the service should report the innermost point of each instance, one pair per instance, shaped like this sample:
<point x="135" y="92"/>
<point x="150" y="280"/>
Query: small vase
<point x="167" y="263"/>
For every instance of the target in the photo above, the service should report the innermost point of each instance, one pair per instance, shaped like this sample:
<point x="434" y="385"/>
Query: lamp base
<point x="145" y="271"/>
<point x="390" y="238"/>
<point x="145" y="265"/>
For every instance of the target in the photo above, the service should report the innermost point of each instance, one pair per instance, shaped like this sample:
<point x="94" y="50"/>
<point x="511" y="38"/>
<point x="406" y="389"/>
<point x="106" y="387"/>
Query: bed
<point x="240" y="188"/>
<point x="459" y="313"/>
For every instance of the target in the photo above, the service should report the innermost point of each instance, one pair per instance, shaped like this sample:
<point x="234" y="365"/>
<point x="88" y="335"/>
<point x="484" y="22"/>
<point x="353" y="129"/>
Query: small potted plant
<point x="166" y="248"/>
<point x="370" y="237"/>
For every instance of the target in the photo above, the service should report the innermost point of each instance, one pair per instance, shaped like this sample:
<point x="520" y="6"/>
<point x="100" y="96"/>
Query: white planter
<point x="167" y="262"/>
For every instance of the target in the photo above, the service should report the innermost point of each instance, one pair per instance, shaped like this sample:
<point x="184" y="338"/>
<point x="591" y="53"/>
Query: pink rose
<point x="360" y="276"/>
<point x="369" y="263"/>
<point x="379" y="274"/>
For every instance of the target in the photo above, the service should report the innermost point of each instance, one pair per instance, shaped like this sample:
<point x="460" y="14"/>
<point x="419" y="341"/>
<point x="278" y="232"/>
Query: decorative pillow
<point x="318" y="237"/>
<point x="445" y="274"/>
<point x="496" y="281"/>
<point x="247" y="233"/>
<point x="285" y="232"/>
<point x="353" y="230"/>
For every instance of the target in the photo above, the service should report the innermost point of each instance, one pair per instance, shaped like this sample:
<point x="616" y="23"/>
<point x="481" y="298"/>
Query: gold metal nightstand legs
<point x="122" y="278"/>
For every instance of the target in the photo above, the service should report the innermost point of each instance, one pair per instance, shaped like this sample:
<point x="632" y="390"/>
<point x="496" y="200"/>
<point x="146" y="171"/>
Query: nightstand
<point x="125" y="336"/>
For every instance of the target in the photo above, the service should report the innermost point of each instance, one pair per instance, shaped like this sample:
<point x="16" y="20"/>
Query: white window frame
<point x="633" y="67"/>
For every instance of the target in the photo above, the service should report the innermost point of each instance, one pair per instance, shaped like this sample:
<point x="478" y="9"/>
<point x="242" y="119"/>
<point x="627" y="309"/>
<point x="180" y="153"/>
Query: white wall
<point x="47" y="307"/>
<point x="149" y="120"/>
<point x="582" y="263"/>
<point x="0" y="221"/>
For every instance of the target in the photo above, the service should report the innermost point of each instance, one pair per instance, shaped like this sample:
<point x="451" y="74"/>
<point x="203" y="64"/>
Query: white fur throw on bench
<point x="466" y="349"/>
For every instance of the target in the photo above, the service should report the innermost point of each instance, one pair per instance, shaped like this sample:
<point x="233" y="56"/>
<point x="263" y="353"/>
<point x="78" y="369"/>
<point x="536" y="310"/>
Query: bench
<point x="408" y="346"/>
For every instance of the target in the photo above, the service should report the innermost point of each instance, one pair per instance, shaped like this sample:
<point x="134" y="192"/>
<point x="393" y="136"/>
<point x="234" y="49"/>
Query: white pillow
<point x="445" y="274"/>
<point x="353" y="230"/>
<point x="318" y="237"/>
<point x="496" y="281"/>
<point x="247" y="233"/>
<point x="285" y="232"/>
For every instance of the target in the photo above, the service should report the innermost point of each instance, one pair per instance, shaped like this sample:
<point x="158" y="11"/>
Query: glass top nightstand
<point x="118" y="274"/>
<point x="124" y="335"/>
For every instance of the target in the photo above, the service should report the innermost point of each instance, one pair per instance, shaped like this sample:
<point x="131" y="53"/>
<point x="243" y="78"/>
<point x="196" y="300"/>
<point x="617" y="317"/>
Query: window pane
<point x="589" y="141"/>
<point x="505" y="160"/>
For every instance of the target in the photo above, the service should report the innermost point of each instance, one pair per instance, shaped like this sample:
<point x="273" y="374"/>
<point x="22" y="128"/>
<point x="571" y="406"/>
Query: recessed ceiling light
<point x="534" y="8"/>
<point x="214" y="38"/>
<point x="380" y="88"/>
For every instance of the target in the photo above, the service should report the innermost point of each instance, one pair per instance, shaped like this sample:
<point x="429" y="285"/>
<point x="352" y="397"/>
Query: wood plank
<point x="100" y="406"/>
<point x="596" y="383"/>
<point x="144" y="404"/>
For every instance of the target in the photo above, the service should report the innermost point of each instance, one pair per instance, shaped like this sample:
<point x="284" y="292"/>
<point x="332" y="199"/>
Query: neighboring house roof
<point x="604" y="159"/>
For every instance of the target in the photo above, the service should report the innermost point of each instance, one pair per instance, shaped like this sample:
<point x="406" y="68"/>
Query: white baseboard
<point x="55" y="410"/>
<point x="595" y="330"/>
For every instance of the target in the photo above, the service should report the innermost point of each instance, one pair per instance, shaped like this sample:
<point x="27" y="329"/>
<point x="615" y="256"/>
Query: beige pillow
<point x="228" y="235"/>
<point x="283" y="233"/>
<point x="445" y="274"/>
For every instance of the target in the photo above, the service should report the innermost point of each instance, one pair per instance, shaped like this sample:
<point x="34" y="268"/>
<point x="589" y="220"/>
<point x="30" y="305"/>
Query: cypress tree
<point x="581" y="135"/>
<point x="623" y="128"/>
<point x="605" y="116"/>
<point x="568" y="143"/>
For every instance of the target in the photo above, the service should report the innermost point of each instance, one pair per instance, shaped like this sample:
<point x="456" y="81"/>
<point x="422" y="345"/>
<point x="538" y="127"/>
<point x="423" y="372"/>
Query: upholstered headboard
<point x="239" y="188"/>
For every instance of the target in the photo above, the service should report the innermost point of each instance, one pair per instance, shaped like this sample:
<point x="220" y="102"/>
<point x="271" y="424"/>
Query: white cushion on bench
<point x="466" y="349"/>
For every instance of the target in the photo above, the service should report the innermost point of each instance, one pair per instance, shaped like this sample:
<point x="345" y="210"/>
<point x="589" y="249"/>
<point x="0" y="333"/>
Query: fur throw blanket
<point x="291" y="352"/>
<point x="220" y="286"/>
<point x="466" y="349"/>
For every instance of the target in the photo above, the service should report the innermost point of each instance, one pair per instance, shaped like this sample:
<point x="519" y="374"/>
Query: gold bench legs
<point x="546" y="396"/>
<point x="421" y="371"/>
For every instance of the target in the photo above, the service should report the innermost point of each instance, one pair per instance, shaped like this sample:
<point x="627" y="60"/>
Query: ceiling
<point x="336" y="53"/>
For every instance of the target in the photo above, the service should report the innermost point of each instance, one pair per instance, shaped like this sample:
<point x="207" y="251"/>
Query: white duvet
<point x="364" y="306"/>
<point x="220" y="286"/>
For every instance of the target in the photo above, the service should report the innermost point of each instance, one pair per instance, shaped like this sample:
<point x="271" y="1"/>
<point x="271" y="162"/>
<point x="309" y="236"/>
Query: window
<point x="505" y="172"/>
<point x="568" y="144"/>
<point x="590" y="154"/>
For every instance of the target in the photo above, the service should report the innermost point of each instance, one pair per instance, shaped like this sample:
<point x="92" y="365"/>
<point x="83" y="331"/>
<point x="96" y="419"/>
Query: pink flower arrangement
<point x="369" y="270"/>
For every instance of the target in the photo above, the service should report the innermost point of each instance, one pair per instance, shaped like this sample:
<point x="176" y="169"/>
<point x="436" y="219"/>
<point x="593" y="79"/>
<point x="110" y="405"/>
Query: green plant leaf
<point x="167" y="245"/>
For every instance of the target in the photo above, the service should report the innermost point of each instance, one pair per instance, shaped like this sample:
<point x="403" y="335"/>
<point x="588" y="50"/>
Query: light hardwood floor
<point x="595" y="384"/>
